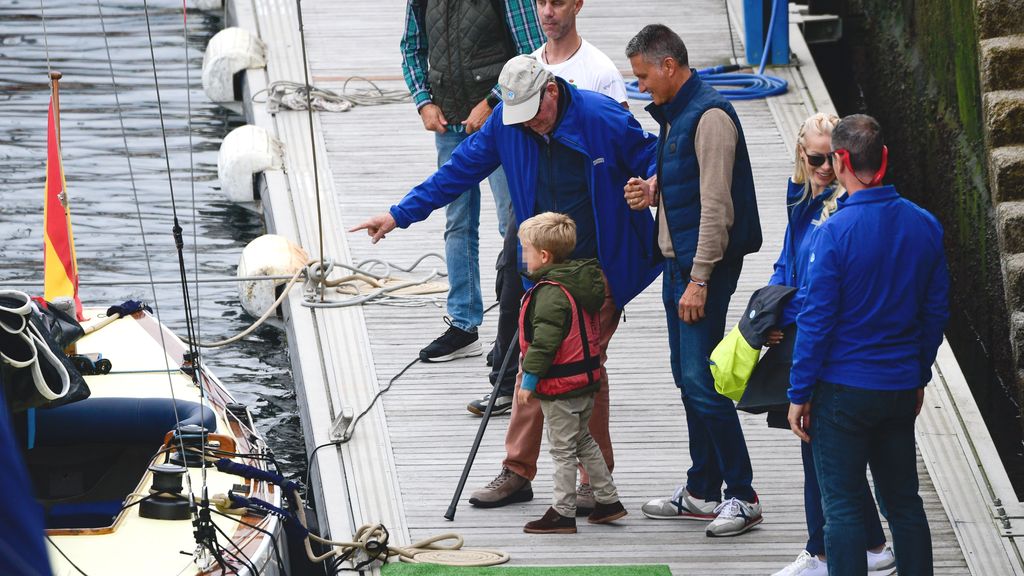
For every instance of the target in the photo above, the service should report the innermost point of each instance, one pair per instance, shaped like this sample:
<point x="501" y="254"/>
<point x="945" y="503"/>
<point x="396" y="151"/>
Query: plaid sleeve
<point x="414" y="53"/>
<point x="521" y="16"/>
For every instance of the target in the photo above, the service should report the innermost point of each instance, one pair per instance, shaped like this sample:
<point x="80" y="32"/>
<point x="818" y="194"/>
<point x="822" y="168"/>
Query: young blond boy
<point x="559" y="331"/>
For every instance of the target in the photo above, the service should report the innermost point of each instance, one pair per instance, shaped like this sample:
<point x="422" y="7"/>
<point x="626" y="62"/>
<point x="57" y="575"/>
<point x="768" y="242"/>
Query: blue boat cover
<point x="114" y="420"/>
<point x="22" y="547"/>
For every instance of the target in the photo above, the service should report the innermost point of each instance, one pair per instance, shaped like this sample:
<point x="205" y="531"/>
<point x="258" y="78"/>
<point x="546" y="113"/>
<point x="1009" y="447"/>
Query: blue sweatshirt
<point x="791" y="267"/>
<point x="877" y="297"/>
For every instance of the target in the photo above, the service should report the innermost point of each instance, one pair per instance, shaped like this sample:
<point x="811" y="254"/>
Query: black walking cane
<point x="450" y="514"/>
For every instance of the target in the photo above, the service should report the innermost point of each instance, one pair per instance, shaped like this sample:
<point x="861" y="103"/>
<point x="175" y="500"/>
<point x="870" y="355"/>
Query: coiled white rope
<point x="286" y="95"/>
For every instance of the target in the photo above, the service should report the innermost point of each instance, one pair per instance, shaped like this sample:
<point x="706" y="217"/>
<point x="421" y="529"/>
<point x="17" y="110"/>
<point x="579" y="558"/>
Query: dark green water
<point x="111" y="245"/>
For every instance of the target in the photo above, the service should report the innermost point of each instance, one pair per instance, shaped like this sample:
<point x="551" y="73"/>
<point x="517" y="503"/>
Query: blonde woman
<point x="810" y="200"/>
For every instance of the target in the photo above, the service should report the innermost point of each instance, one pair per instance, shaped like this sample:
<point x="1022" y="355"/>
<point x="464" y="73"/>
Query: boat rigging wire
<point x="273" y="540"/>
<point x="46" y="42"/>
<point x="176" y="229"/>
<point x="198" y="358"/>
<point x="247" y="562"/>
<point x="312" y="137"/>
<point x="192" y="180"/>
<point x="138" y="212"/>
<point x="61" y="552"/>
<point x="200" y="514"/>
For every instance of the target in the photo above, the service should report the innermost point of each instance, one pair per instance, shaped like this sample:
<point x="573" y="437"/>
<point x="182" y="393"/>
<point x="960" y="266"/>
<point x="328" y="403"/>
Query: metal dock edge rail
<point x="330" y="356"/>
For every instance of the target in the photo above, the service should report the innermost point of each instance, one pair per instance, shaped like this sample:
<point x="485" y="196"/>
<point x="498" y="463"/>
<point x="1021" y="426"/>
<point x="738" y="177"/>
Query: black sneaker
<point x="454" y="343"/>
<point x="502" y="405"/>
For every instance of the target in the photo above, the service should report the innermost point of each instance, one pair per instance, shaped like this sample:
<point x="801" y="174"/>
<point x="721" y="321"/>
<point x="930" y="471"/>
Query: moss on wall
<point x="916" y="64"/>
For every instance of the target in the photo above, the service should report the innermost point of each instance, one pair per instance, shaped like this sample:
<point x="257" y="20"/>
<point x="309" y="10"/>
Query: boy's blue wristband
<point x="530" y="382"/>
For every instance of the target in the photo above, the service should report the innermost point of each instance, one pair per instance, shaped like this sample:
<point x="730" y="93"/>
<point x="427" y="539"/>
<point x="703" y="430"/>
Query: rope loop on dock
<point x="385" y="288"/>
<point x="371" y="543"/>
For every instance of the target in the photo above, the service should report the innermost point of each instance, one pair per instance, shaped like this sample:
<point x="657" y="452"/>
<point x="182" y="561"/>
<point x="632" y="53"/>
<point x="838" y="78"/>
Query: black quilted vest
<point x="467" y="45"/>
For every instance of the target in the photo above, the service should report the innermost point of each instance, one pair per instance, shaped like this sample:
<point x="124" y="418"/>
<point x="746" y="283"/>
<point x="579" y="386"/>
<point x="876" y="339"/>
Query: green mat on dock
<point x="402" y="569"/>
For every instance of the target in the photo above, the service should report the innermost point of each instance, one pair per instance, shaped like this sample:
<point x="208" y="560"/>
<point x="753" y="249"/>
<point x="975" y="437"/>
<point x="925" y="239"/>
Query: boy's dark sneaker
<point x="502" y="405"/>
<point x="585" y="502"/>
<point x="507" y="488"/>
<point x="605" y="513"/>
<point x="551" y="523"/>
<point x="454" y="343"/>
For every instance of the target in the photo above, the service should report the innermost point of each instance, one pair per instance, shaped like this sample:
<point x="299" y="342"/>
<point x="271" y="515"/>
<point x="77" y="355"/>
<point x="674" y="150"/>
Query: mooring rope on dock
<point x="287" y="95"/>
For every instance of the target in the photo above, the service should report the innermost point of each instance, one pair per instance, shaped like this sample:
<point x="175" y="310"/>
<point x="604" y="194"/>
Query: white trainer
<point x="734" y="518"/>
<point x="806" y="564"/>
<point x="882" y="563"/>
<point x="681" y="506"/>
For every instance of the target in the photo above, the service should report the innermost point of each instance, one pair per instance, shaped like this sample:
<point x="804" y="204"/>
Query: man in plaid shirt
<point x="452" y="52"/>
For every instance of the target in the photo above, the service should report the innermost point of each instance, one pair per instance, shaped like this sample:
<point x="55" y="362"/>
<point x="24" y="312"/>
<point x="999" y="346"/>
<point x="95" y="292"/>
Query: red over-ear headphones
<point x="877" y="178"/>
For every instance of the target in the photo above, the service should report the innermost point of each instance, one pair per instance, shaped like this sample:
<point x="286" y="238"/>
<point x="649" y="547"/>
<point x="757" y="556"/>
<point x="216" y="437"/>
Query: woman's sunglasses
<point x="816" y="159"/>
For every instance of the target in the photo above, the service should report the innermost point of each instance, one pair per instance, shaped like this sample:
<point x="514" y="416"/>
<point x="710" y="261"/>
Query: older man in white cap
<point x="563" y="150"/>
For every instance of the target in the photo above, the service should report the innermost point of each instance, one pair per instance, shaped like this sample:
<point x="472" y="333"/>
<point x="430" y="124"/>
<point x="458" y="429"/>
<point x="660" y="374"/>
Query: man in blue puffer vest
<point x="707" y="221"/>
<point x="877" y="301"/>
<point x="568" y="151"/>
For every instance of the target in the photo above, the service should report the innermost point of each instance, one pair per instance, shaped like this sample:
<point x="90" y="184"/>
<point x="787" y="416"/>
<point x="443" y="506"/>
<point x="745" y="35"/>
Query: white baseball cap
<point x="522" y="82"/>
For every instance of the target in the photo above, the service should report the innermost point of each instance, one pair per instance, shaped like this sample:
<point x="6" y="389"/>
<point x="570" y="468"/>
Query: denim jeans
<point x="851" y="429"/>
<point x="815" y="514"/>
<point x="462" y="239"/>
<point x="718" y="451"/>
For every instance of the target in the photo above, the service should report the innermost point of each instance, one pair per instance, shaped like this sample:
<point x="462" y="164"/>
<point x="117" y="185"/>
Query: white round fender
<point x="268" y="255"/>
<point x="230" y="51"/>
<point x="244" y="152"/>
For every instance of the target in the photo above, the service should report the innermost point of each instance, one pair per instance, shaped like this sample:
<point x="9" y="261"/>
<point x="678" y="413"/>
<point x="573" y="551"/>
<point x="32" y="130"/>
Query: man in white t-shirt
<point x="578" y="62"/>
<point x="572" y="58"/>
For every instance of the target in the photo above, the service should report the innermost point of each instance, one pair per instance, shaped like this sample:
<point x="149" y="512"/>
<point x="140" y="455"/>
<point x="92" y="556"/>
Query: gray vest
<point x="467" y="45"/>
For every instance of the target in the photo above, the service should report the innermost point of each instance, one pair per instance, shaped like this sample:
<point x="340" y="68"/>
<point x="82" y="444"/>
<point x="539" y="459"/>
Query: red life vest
<point x="577" y="362"/>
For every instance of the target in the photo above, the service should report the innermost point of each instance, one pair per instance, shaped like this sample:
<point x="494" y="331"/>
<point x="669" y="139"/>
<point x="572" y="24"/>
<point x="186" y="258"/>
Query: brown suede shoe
<point x="507" y="488"/>
<point x="585" y="500"/>
<point x="551" y="523"/>
<point x="605" y="513"/>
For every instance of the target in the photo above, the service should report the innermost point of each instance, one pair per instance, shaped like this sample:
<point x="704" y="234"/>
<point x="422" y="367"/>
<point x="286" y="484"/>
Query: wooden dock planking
<point x="377" y="154"/>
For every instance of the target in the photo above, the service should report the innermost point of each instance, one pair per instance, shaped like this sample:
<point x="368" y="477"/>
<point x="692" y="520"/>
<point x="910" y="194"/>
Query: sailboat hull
<point x="90" y="464"/>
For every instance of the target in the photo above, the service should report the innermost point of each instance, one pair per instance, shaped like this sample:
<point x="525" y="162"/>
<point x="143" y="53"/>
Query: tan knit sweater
<point x="715" y="143"/>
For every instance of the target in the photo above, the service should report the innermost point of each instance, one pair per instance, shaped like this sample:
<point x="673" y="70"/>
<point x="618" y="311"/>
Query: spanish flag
<point x="60" y="276"/>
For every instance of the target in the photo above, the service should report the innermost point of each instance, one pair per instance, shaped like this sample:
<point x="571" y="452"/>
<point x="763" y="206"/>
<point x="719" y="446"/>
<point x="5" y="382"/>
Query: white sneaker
<point x="806" y="564"/>
<point x="881" y="564"/>
<point x="681" y="506"/>
<point x="734" y="518"/>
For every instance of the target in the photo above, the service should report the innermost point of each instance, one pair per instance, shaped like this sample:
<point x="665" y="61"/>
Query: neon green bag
<point x="732" y="363"/>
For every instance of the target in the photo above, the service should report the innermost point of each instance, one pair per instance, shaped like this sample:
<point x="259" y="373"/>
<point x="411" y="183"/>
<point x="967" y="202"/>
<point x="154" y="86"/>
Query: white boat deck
<point x="404" y="461"/>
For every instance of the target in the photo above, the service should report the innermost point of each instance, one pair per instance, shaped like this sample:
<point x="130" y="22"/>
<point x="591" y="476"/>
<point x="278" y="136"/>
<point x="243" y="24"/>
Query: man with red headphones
<point x="877" y="301"/>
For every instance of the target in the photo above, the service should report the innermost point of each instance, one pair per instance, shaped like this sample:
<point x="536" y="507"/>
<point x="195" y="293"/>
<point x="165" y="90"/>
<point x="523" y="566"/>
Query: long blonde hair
<point x="821" y="123"/>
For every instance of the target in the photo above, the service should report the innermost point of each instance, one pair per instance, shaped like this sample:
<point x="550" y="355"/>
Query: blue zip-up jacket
<point x="597" y="127"/>
<point x="877" y="297"/>
<point x="791" y="267"/>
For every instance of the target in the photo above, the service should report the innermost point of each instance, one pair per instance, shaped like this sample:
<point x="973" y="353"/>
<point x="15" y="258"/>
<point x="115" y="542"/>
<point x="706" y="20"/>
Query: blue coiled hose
<point x="733" y="85"/>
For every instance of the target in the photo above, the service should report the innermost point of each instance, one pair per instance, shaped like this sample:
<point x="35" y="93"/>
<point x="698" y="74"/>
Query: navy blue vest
<point x="679" y="174"/>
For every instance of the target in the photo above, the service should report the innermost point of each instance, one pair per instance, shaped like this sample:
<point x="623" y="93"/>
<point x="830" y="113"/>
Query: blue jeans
<point x="718" y="451"/>
<point x="852" y="428"/>
<point x="462" y="239"/>
<point x="874" y="536"/>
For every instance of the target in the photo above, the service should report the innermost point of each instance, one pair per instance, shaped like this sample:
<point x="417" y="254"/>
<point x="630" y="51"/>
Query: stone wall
<point x="946" y="80"/>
